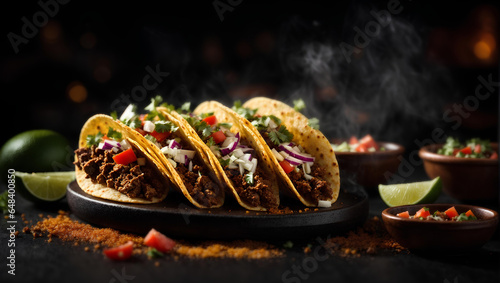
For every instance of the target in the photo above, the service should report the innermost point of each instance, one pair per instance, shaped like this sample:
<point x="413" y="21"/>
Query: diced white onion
<point x="277" y="155"/>
<point x="324" y="203"/>
<point x="148" y="126"/>
<point x="190" y="166"/>
<point x="172" y="162"/>
<point x="125" y="145"/>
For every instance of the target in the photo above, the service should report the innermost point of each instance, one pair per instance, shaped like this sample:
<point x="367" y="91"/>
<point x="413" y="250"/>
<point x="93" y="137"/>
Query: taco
<point x="301" y="155"/>
<point x="167" y="139"/>
<point x="110" y="164"/>
<point x="235" y="155"/>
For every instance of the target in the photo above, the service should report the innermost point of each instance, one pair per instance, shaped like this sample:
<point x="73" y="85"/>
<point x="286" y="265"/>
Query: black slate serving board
<point x="176" y="217"/>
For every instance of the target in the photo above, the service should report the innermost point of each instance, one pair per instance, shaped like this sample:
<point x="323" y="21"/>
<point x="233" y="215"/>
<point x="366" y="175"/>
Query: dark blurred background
<point x="394" y="69"/>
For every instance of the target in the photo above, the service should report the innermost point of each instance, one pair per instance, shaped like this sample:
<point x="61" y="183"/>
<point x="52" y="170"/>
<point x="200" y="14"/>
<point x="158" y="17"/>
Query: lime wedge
<point x="45" y="186"/>
<point x="411" y="193"/>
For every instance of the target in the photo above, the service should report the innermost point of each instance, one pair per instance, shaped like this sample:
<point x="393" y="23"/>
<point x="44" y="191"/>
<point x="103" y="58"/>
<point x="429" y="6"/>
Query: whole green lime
<point x="35" y="151"/>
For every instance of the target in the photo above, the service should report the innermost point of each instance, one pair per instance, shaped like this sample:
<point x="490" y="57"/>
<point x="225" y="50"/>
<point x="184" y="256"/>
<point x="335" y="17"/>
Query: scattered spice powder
<point x="371" y="238"/>
<point x="66" y="229"/>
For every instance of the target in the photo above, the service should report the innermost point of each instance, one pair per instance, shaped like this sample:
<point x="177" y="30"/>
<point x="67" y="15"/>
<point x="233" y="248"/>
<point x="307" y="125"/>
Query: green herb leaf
<point x="165" y="126"/>
<point x="113" y="134"/>
<point x="314" y="123"/>
<point x="186" y="107"/>
<point x="151" y="138"/>
<point x="154" y="253"/>
<point x="249" y="178"/>
<point x="224" y="162"/>
<point x="299" y="105"/>
<point x="157" y="100"/>
<point x="247" y="113"/>
<point x="94" y="139"/>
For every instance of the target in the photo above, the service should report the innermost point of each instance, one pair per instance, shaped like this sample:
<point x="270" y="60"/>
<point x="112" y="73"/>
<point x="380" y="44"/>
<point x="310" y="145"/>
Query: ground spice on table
<point x="371" y="238"/>
<point x="69" y="230"/>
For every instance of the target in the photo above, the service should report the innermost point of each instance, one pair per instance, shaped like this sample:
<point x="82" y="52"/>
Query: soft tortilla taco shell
<point x="170" y="171"/>
<point x="101" y="123"/>
<point x="225" y="114"/>
<point x="312" y="140"/>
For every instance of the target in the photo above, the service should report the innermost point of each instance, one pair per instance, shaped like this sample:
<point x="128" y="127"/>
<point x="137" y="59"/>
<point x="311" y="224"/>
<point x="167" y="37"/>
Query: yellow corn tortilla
<point x="101" y="123"/>
<point x="170" y="171"/>
<point x="311" y="140"/>
<point x="225" y="114"/>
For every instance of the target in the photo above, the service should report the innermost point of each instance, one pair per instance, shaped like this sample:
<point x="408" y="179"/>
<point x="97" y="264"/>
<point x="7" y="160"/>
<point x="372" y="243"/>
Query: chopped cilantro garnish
<point x="299" y="105"/>
<point x="113" y="134"/>
<point x="224" y="162"/>
<point x="247" y="113"/>
<point x="165" y="126"/>
<point x="249" y="178"/>
<point x="186" y="107"/>
<point x="463" y="217"/>
<point x="155" y="102"/>
<point x="150" y="138"/>
<point x="282" y="135"/>
<point x="94" y="139"/>
<point x="314" y="123"/>
<point x="154" y="253"/>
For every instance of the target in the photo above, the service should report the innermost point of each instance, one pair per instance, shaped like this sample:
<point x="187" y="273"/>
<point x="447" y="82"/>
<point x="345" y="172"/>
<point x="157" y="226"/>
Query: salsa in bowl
<point x="427" y="234"/>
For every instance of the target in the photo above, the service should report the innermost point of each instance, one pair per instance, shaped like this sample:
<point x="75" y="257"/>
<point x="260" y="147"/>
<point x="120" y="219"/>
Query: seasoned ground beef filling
<point x="201" y="188"/>
<point x="132" y="180"/>
<point x="257" y="194"/>
<point x="313" y="190"/>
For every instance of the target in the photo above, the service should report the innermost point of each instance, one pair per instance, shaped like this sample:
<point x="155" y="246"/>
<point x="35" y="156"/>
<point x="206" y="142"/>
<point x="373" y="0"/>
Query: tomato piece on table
<point x="423" y="212"/>
<point x="466" y="150"/>
<point x="287" y="167"/>
<point x="404" y="214"/>
<point x="211" y="120"/>
<point x="369" y="142"/>
<point x="122" y="252"/>
<point x="451" y="212"/>
<point x="159" y="241"/>
<point x="218" y="137"/>
<point x="469" y="213"/>
<point x="353" y="140"/>
<point x="160" y="136"/>
<point x="494" y="155"/>
<point x="125" y="157"/>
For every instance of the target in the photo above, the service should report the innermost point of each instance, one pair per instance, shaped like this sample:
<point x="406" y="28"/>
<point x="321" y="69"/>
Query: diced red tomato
<point x="122" y="252"/>
<point x="362" y="148"/>
<point x="366" y="143"/>
<point x="160" y="136"/>
<point x="141" y="131"/>
<point x="494" y="155"/>
<point x="158" y="241"/>
<point x="218" y="137"/>
<point x="287" y="167"/>
<point x="466" y="150"/>
<point x="353" y="140"/>
<point x="451" y="212"/>
<point x="423" y="212"/>
<point x="211" y="120"/>
<point x="469" y="213"/>
<point x="477" y="148"/>
<point x="125" y="157"/>
<point x="405" y="214"/>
